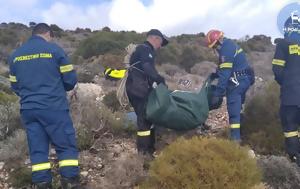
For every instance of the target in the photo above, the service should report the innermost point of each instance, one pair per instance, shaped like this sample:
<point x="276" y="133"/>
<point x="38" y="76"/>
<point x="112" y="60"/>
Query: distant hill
<point x="106" y="47"/>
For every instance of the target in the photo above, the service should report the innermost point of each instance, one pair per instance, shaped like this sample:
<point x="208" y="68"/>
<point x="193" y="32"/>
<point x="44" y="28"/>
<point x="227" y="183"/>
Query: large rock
<point x="86" y="91"/>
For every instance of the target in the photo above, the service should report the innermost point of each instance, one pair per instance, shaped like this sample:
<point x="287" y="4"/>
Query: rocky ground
<point x="113" y="162"/>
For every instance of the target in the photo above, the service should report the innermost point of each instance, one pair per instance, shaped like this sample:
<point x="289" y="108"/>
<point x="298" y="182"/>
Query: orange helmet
<point x="212" y="37"/>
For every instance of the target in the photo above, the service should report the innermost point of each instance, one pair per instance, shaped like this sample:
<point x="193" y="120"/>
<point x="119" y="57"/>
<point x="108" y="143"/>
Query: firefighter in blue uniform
<point x="286" y="70"/>
<point x="141" y="75"/>
<point x="235" y="77"/>
<point x="40" y="74"/>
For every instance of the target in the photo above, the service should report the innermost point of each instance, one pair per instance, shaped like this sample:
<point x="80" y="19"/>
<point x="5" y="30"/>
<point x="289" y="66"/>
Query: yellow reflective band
<point x="119" y="74"/>
<point x="278" y="62"/>
<point x="143" y="133"/>
<point x="12" y="78"/>
<point x="238" y="51"/>
<point x="294" y="49"/>
<point x="41" y="167"/>
<point x="107" y="70"/>
<point x="291" y="134"/>
<point x="226" y="65"/>
<point x="68" y="162"/>
<point x="235" y="126"/>
<point x="66" y="68"/>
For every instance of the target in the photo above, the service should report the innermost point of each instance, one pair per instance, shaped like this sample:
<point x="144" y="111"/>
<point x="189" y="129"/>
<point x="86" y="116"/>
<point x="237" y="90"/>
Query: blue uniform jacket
<point x="286" y="70"/>
<point x="232" y="58"/>
<point x="40" y="73"/>
<point x="145" y="56"/>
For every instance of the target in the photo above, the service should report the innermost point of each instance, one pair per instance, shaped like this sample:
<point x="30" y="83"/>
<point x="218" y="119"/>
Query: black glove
<point x="214" y="76"/>
<point x="160" y="79"/>
<point x="215" y="102"/>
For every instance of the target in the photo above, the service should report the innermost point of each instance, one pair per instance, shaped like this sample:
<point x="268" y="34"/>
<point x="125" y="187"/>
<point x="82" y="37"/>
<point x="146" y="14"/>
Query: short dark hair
<point x="42" y="28"/>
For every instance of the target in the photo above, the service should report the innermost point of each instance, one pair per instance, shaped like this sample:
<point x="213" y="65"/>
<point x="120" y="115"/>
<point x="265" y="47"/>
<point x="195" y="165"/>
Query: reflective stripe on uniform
<point x="68" y="162"/>
<point x="41" y="167"/>
<point x="226" y="65"/>
<point x="12" y="78"/>
<point x="66" y="68"/>
<point x="291" y="134"/>
<point x="107" y="71"/>
<point x="144" y="133"/>
<point x="294" y="49"/>
<point x="235" y="126"/>
<point x="278" y="62"/>
<point x="238" y="51"/>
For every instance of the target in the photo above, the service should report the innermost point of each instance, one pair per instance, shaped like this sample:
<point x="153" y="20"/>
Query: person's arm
<point x="278" y="63"/>
<point x="12" y="76"/>
<point x="68" y="74"/>
<point x="225" y="69"/>
<point x="147" y="61"/>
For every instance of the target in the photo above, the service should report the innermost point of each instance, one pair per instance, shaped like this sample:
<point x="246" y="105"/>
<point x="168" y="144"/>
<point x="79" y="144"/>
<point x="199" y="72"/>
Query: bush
<point x="258" y="43"/>
<point x="14" y="147"/>
<point x="58" y="32"/>
<point x="261" y="127"/>
<point x="92" y="118"/>
<point x="279" y="172"/>
<point x="203" y="163"/>
<point x="113" y="61"/>
<point x="111" y="101"/>
<point x="20" y="178"/>
<point x="104" y="42"/>
<point x="9" y="115"/>
<point x="8" y="37"/>
<point x="85" y="77"/>
<point x="189" y="58"/>
<point x="168" y="54"/>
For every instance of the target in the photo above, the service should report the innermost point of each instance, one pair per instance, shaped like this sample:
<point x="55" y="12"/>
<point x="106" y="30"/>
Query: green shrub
<point x="84" y="137"/>
<point x="189" y="58"/>
<point x="8" y="37"/>
<point x="14" y="147"/>
<point x="58" y="32"/>
<point x="261" y="127"/>
<point x="111" y="101"/>
<point x="203" y="163"/>
<point x="279" y="172"/>
<point x="9" y="115"/>
<point x="90" y="116"/>
<point x="104" y="42"/>
<point x="85" y="77"/>
<point x="168" y="54"/>
<point x="20" y="178"/>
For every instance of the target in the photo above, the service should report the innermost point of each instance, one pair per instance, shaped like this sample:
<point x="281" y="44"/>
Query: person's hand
<point x="213" y="76"/>
<point x="215" y="102"/>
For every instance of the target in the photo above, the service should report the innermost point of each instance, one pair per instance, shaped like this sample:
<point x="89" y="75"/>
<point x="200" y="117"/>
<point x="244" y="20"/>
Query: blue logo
<point x="288" y="19"/>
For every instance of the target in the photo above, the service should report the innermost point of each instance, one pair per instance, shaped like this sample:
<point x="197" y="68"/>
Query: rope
<point x="121" y="91"/>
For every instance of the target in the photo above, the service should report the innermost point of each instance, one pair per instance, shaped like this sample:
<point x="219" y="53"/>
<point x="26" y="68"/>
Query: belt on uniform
<point x="242" y="72"/>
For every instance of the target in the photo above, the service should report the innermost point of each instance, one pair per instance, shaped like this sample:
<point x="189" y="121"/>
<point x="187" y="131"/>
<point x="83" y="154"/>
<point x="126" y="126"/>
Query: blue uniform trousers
<point x="236" y="96"/>
<point x="290" y="117"/>
<point x="45" y="127"/>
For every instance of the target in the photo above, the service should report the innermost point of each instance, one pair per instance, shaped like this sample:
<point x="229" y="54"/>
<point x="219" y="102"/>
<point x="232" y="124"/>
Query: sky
<point x="237" y="18"/>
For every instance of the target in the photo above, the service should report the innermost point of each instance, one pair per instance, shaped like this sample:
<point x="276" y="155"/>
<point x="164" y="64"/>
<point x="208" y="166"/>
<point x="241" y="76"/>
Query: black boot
<point x="42" y="185"/>
<point x="298" y="160"/>
<point x="70" y="183"/>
